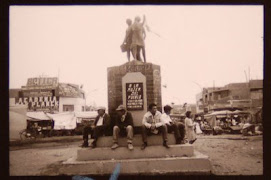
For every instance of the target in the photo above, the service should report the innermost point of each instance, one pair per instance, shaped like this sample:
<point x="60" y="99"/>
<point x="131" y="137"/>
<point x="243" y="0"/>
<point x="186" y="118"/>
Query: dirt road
<point x="233" y="154"/>
<point x="229" y="155"/>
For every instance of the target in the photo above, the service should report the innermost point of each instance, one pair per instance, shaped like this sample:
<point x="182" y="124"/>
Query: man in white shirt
<point x="177" y="127"/>
<point x="152" y="124"/>
<point x="100" y="126"/>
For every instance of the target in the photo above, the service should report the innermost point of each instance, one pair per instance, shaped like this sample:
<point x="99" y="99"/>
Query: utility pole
<point x="245" y="75"/>
<point x="58" y="74"/>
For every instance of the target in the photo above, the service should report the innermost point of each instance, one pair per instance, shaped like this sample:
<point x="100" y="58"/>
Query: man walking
<point x="100" y="127"/>
<point x="124" y="126"/>
<point x="173" y="126"/>
<point x="152" y="124"/>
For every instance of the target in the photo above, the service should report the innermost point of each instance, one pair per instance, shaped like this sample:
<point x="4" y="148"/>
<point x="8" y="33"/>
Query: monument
<point x="136" y="84"/>
<point x="134" y="39"/>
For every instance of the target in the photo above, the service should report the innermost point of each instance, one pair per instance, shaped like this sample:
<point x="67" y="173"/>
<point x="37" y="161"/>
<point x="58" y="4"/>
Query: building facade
<point x="48" y="95"/>
<point x="243" y="96"/>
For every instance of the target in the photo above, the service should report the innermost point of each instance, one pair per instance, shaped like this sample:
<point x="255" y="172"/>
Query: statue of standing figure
<point x="134" y="39"/>
<point x="126" y="45"/>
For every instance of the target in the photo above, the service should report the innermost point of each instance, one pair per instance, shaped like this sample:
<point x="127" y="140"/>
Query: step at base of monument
<point x="87" y="154"/>
<point x="197" y="164"/>
<point x="107" y="141"/>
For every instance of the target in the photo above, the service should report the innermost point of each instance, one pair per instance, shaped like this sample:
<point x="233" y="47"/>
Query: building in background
<point x="243" y="96"/>
<point x="181" y="109"/>
<point x="48" y="95"/>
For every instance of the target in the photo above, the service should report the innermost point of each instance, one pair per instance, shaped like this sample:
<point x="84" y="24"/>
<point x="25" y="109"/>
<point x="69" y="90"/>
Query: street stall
<point x="64" y="123"/>
<point x="83" y="119"/>
<point x="178" y="117"/>
<point x="207" y="124"/>
<point x="226" y="121"/>
<point x="38" y="125"/>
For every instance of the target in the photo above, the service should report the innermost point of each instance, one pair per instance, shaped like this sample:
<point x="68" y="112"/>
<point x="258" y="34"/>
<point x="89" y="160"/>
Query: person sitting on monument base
<point x="124" y="126"/>
<point x="173" y="126"/>
<point x="152" y="124"/>
<point x="100" y="127"/>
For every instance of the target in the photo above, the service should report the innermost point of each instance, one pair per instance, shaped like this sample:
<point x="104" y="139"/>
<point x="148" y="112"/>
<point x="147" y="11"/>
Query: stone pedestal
<point x="136" y="85"/>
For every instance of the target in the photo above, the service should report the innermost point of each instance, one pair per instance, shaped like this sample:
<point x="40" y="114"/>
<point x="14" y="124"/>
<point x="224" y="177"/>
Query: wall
<point x="17" y="121"/>
<point x="77" y="102"/>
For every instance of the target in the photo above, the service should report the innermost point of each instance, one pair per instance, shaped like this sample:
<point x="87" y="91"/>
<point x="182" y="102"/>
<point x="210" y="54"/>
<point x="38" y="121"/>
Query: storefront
<point x="48" y="95"/>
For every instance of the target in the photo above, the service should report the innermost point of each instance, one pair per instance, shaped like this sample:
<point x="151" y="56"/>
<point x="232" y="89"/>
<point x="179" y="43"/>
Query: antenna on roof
<point x="246" y="75"/>
<point x="58" y="74"/>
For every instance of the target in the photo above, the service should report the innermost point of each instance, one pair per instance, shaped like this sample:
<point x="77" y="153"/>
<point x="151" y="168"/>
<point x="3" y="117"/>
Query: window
<point x="68" y="108"/>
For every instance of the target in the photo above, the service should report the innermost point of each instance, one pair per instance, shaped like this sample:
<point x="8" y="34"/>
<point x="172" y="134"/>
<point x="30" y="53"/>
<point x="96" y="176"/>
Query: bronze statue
<point x="126" y="45"/>
<point x="134" y="39"/>
<point x="138" y="37"/>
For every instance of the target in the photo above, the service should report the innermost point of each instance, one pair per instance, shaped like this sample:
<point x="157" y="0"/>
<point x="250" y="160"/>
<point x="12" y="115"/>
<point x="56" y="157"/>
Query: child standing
<point x="189" y="128"/>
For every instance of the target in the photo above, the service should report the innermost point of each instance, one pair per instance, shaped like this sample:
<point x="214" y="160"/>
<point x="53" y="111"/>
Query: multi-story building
<point x="232" y="96"/>
<point x="48" y="95"/>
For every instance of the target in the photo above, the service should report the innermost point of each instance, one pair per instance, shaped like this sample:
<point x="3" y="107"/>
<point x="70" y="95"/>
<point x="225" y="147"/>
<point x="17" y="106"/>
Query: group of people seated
<point x="154" y="122"/>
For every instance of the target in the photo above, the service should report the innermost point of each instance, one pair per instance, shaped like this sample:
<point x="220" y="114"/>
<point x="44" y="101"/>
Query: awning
<point x="37" y="115"/>
<point x="86" y="114"/>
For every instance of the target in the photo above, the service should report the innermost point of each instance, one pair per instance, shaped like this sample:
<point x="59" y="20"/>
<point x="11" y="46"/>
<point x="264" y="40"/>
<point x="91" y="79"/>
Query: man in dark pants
<point x="124" y="126"/>
<point x="152" y="124"/>
<point x="177" y="127"/>
<point x="99" y="128"/>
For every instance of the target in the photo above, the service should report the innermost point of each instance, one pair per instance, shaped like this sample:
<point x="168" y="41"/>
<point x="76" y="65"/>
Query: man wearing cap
<point x="177" y="127"/>
<point x="100" y="127"/>
<point x="152" y="124"/>
<point x="124" y="126"/>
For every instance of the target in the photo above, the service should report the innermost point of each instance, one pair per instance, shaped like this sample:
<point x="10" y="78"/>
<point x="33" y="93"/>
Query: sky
<point x="195" y="46"/>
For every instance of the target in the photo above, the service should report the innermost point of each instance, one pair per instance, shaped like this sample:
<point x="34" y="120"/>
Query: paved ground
<point x="229" y="154"/>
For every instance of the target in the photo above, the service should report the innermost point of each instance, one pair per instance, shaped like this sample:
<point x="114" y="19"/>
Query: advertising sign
<point x="37" y="93"/>
<point x="39" y="103"/>
<point x="134" y="96"/>
<point x="42" y="81"/>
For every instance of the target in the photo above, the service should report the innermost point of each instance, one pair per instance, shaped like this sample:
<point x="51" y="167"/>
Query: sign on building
<point x="134" y="96"/>
<point x="42" y="81"/>
<point x="39" y="103"/>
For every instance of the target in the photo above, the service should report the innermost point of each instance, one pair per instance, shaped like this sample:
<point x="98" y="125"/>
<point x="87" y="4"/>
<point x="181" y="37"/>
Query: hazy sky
<point x="199" y="46"/>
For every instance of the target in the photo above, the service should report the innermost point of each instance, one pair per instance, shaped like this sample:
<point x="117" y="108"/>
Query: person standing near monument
<point x="100" y="127"/>
<point x="177" y="127"/>
<point x="126" y="45"/>
<point x="189" y="128"/>
<point x="138" y="37"/>
<point x="124" y="126"/>
<point x="152" y="124"/>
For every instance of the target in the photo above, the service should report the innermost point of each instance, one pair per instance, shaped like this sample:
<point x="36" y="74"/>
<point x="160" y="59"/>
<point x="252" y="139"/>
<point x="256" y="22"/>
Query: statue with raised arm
<point x="138" y="37"/>
<point x="126" y="45"/>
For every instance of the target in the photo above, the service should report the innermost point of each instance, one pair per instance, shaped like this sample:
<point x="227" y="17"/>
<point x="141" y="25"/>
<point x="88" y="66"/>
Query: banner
<point x="63" y="121"/>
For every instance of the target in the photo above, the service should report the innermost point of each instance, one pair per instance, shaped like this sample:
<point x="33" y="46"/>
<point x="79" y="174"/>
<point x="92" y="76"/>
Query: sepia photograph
<point x="135" y="90"/>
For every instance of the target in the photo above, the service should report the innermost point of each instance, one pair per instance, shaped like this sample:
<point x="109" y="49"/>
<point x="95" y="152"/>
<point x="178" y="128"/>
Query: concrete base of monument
<point x="196" y="164"/>
<point x="87" y="154"/>
<point x="107" y="141"/>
